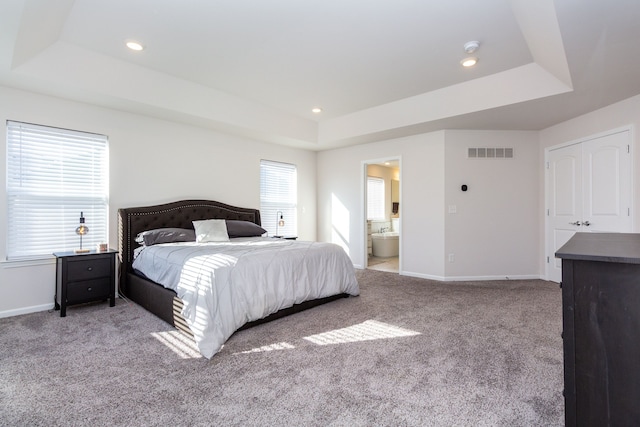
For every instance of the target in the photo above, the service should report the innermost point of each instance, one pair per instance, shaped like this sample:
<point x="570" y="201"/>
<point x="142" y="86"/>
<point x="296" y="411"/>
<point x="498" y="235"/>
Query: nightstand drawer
<point x="84" y="269"/>
<point x="88" y="290"/>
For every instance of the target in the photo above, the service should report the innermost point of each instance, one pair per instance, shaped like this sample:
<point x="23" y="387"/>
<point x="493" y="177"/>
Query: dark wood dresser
<point x="82" y="278"/>
<point x="601" y="329"/>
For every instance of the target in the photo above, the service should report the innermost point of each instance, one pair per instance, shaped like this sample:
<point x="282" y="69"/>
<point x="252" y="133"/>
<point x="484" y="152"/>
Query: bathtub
<point x="385" y="244"/>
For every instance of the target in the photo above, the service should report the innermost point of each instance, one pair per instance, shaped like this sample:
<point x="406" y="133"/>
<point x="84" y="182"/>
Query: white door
<point x="564" y="202"/>
<point x="588" y="190"/>
<point x="607" y="183"/>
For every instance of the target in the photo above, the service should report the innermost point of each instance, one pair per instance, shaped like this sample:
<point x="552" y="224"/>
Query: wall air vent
<point x="490" y="153"/>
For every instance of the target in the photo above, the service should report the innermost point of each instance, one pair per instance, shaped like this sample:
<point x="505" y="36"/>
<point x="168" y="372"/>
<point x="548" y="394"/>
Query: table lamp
<point x="81" y="231"/>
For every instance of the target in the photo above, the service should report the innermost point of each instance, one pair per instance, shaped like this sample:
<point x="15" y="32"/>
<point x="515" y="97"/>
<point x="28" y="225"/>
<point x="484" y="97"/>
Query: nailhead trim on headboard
<point x="150" y="225"/>
<point x="132" y="221"/>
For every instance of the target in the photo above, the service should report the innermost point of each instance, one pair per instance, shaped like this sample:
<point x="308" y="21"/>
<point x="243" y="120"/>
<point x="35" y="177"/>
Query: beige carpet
<point x="407" y="352"/>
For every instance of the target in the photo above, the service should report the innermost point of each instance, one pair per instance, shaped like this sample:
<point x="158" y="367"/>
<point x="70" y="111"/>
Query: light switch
<point x="453" y="209"/>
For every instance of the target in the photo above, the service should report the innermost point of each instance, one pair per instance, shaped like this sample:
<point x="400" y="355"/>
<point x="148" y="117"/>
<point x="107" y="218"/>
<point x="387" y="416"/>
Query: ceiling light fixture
<point x="316" y="110"/>
<point x="469" y="62"/>
<point x="133" y="45"/>
<point x="469" y="48"/>
<point x="472" y="46"/>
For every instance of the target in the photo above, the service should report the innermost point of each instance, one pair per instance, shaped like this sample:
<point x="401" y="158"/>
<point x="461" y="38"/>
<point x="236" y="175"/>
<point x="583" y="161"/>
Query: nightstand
<point x="85" y="277"/>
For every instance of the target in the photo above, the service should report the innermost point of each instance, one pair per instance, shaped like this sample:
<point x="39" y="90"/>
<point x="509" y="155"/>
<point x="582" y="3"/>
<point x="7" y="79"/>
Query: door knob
<point x="575" y="223"/>
<point x="586" y="223"/>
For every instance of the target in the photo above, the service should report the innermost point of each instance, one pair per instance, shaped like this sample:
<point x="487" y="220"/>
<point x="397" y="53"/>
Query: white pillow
<point x="211" y="230"/>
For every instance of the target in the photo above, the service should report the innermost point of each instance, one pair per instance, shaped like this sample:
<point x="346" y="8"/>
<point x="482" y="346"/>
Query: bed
<point x="287" y="258"/>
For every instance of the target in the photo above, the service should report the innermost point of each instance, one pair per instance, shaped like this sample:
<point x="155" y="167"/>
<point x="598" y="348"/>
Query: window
<point x="278" y="196"/>
<point x="375" y="198"/>
<point x="53" y="175"/>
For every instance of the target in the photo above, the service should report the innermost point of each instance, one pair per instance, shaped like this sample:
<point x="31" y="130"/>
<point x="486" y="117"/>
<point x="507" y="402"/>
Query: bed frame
<point x="157" y="299"/>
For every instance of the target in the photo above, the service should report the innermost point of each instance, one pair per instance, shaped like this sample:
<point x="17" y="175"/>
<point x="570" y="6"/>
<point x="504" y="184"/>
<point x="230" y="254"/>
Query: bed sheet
<point x="226" y="284"/>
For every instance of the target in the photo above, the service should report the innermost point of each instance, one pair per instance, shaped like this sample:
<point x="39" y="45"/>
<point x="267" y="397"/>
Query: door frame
<point x="547" y="257"/>
<point x="363" y="204"/>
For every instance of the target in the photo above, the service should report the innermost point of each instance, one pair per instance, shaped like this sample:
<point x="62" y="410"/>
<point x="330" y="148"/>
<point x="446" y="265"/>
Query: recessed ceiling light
<point x="133" y="45"/>
<point x="316" y="110"/>
<point x="469" y="62"/>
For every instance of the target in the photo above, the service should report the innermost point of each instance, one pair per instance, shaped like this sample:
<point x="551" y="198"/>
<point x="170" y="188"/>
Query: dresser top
<point x="604" y="247"/>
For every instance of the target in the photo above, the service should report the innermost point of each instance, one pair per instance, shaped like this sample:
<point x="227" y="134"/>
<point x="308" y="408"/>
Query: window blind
<point x="53" y="175"/>
<point x="375" y="198"/>
<point x="278" y="193"/>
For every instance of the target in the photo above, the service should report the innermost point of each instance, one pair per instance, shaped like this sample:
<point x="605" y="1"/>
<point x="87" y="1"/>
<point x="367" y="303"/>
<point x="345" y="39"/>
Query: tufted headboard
<point x="132" y="221"/>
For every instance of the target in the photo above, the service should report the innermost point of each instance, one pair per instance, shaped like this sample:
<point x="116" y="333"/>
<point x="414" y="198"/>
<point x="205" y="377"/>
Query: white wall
<point x="621" y="114"/>
<point x="494" y="232"/>
<point x="341" y="215"/>
<point x="155" y="161"/>
<point x="151" y="161"/>
<point x="492" y="235"/>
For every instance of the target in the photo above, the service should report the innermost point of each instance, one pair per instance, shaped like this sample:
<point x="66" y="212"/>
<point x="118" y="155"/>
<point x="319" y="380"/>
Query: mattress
<point x="224" y="285"/>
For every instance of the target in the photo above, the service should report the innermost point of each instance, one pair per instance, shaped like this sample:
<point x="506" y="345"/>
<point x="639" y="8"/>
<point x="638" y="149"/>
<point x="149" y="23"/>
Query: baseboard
<point x="26" y="310"/>
<point x="469" y="278"/>
<point x="422" y="276"/>
<point x="483" y="278"/>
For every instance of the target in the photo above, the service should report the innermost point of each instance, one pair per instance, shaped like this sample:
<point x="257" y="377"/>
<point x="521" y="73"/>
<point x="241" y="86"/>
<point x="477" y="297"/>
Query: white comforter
<point x="225" y="285"/>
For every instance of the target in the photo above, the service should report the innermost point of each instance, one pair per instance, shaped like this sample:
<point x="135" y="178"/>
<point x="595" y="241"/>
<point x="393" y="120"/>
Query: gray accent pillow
<point x="165" y="235"/>
<point x="237" y="228"/>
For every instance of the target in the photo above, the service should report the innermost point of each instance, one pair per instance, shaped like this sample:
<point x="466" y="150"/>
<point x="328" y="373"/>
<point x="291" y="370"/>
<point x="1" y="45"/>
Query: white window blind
<point x="53" y="175"/>
<point x="278" y="193"/>
<point x="375" y="198"/>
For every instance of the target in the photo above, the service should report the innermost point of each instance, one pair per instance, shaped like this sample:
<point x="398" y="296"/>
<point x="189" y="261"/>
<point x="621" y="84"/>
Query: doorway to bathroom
<point x="382" y="214"/>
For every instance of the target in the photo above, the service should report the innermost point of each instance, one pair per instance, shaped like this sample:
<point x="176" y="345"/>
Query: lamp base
<point x="82" y="251"/>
